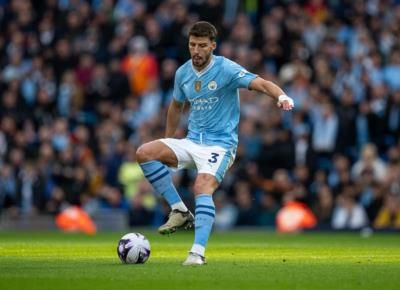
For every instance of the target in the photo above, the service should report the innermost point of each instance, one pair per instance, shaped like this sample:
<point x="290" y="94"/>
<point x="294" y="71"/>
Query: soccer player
<point x="210" y="84"/>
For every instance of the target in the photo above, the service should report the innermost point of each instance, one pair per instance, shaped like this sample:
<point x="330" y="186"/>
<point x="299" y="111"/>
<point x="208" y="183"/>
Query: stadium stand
<point x="84" y="82"/>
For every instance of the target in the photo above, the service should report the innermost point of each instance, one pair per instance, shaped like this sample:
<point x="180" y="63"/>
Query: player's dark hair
<point x="203" y="29"/>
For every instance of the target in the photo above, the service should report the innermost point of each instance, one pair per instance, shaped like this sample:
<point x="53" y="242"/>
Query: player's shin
<point x="160" y="178"/>
<point x="204" y="220"/>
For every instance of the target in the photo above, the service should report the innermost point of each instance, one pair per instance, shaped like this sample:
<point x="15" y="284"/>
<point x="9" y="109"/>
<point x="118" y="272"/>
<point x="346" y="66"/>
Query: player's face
<point x="201" y="49"/>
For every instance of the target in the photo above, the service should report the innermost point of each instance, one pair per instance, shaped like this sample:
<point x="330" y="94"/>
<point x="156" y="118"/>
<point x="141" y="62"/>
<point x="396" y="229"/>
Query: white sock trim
<point x="180" y="206"/>
<point x="198" y="249"/>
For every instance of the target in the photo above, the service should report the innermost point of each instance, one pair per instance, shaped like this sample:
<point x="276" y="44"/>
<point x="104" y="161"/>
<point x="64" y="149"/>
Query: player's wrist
<point x="284" y="97"/>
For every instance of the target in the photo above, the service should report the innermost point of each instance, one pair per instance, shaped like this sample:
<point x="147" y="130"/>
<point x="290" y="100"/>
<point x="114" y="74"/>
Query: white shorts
<point x="214" y="160"/>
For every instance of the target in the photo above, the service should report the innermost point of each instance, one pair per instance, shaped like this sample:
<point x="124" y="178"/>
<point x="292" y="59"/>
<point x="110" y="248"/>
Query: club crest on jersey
<point x="212" y="86"/>
<point x="197" y="86"/>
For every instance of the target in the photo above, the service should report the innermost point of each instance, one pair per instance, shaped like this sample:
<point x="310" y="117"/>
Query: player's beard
<point x="199" y="63"/>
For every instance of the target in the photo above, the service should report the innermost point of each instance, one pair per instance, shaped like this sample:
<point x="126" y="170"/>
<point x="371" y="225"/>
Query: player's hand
<point x="285" y="103"/>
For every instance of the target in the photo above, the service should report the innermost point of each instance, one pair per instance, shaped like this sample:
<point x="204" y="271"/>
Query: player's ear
<point x="214" y="45"/>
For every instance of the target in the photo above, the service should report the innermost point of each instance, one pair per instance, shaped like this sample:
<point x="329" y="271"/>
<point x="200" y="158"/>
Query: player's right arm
<point x="176" y="106"/>
<point x="173" y="117"/>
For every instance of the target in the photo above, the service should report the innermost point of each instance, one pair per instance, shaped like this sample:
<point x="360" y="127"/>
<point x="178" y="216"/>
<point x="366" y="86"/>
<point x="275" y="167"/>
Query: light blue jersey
<point x="213" y="95"/>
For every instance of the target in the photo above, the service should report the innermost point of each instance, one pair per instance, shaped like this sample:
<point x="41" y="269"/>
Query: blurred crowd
<point x="84" y="82"/>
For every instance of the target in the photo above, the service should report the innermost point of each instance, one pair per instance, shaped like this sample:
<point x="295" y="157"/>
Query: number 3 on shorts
<point x="213" y="158"/>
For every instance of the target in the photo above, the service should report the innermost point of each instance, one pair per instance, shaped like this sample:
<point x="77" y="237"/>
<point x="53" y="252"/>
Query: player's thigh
<point x="214" y="160"/>
<point x="182" y="149"/>
<point x="156" y="150"/>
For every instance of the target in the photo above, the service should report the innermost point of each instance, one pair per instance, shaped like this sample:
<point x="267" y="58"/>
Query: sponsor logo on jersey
<point x="203" y="104"/>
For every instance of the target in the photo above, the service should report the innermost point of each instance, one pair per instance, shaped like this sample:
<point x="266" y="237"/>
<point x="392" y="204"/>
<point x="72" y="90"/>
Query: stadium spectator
<point x="389" y="215"/>
<point x="226" y="211"/>
<point x="325" y="132"/>
<point x="140" y="66"/>
<point x="247" y="209"/>
<point x="369" y="161"/>
<point x="323" y="207"/>
<point x="348" y="214"/>
<point x="268" y="210"/>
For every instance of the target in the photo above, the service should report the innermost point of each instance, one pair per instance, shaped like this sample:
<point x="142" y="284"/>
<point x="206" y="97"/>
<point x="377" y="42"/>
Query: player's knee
<point x="143" y="154"/>
<point x="201" y="188"/>
<point x="205" y="185"/>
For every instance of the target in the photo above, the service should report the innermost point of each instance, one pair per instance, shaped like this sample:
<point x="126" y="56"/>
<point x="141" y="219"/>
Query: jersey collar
<point x="200" y="73"/>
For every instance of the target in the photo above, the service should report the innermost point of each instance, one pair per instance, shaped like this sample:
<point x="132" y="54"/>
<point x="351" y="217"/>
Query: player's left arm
<point x="269" y="88"/>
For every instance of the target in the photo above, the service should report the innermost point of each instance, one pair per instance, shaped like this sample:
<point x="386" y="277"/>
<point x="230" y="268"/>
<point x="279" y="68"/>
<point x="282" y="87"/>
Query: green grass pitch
<point x="236" y="260"/>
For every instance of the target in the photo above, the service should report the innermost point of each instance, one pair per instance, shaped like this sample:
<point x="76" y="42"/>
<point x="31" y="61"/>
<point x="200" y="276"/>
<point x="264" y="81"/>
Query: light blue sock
<point x="160" y="178"/>
<point x="204" y="219"/>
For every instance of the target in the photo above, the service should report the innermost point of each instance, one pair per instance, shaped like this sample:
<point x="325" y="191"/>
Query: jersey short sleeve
<point x="239" y="76"/>
<point x="178" y="92"/>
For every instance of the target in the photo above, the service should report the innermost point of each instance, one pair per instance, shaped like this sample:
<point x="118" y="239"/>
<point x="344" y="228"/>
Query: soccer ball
<point x="133" y="248"/>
